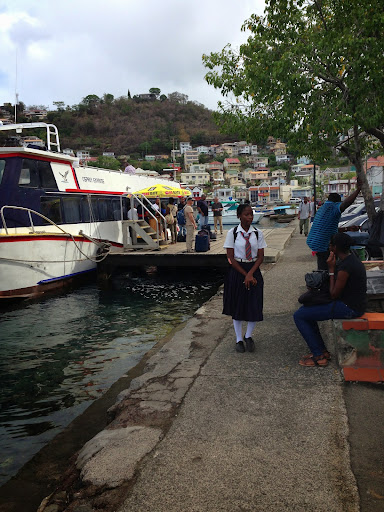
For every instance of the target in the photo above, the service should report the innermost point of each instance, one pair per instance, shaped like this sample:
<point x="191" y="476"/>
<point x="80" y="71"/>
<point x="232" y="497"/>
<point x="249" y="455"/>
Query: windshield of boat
<point x="2" y="167"/>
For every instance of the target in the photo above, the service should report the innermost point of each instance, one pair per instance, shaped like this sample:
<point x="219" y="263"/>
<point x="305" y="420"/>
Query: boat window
<point x="84" y="208"/>
<point x="71" y="209"/>
<point x="47" y="179"/>
<point x="105" y="209"/>
<point x="116" y="205"/>
<point x="2" y="167"/>
<point x="94" y="209"/>
<point x="51" y="208"/>
<point x="29" y="176"/>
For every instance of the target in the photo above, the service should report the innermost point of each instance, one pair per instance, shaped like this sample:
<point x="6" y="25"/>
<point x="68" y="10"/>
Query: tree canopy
<point x="312" y="72"/>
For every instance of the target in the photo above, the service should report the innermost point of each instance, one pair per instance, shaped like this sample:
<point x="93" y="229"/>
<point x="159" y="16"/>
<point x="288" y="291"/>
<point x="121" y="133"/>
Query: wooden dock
<point x="175" y="255"/>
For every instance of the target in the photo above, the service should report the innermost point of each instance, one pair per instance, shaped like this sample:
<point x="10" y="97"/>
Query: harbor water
<point x="60" y="354"/>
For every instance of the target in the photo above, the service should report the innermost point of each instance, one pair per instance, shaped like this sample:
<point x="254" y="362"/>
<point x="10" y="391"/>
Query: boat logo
<point x="64" y="176"/>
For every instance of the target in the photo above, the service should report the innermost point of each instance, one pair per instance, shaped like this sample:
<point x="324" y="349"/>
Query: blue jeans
<point x="306" y="319"/>
<point x="203" y="220"/>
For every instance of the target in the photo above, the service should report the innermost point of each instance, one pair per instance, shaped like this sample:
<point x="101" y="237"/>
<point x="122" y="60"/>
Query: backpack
<point x="181" y="217"/>
<point x="235" y="234"/>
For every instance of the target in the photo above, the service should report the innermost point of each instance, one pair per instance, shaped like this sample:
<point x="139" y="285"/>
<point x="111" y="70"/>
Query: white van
<point x="295" y="200"/>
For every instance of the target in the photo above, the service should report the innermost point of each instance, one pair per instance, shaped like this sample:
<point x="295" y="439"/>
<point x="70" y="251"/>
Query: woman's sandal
<point x="312" y="361"/>
<point x="325" y="354"/>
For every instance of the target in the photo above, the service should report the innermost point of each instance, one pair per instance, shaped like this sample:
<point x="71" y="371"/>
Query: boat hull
<point x="32" y="265"/>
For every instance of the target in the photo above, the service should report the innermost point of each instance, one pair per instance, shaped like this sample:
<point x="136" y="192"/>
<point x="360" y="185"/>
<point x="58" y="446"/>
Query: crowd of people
<point x="178" y="217"/>
<point x="345" y="278"/>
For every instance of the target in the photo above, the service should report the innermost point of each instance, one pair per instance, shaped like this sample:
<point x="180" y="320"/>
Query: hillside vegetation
<point x="135" y="126"/>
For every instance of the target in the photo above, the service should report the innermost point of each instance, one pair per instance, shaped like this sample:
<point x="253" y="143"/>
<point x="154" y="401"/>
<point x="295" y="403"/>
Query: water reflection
<point x="60" y="354"/>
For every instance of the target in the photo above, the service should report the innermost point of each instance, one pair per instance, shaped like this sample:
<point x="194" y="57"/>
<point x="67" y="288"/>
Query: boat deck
<point x="175" y="255"/>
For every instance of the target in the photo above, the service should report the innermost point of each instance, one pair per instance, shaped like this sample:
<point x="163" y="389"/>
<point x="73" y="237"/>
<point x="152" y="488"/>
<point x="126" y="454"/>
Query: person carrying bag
<point x="347" y="288"/>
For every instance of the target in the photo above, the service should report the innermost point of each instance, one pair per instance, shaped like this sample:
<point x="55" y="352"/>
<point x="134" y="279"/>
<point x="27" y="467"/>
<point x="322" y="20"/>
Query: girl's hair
<point x="342" y="241"/>
<point x="241" y="208"/>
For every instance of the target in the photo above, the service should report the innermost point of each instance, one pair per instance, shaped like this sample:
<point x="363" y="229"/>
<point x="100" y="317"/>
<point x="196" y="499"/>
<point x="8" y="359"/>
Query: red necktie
<point x="248" y="248"/>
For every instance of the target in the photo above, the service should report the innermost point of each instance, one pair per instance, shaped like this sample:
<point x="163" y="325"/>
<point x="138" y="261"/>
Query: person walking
<point x="243" y="286"/>
<point x="190" y="224"/>
<point x="325" y="224"/>
<point x="202" y="208"/>
<point x="348" y="299"/>
<point x="172" y="212"/>
<point x="217" y="209"/>
<point x="304" y="215"/>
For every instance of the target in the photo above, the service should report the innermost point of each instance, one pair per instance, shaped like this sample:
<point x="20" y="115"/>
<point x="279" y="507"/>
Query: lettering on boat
<point x="93" y="180"/>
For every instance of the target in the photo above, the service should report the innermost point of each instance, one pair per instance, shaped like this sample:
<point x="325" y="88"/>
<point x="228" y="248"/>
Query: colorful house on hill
<point x="264" y="193"/>
<point x="232" y="164"/>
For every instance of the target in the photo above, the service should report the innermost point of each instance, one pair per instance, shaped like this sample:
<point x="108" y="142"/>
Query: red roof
<point x="233" y="160"/>
<point x="215" y="163"/>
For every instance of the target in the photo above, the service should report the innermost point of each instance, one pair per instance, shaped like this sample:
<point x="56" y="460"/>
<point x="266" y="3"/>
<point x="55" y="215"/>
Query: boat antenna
<point x="16" y="93"/>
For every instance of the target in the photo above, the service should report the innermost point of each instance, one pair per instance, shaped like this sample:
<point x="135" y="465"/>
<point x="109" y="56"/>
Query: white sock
<point x="238" y="326"/>
<point x="250" y="327"/>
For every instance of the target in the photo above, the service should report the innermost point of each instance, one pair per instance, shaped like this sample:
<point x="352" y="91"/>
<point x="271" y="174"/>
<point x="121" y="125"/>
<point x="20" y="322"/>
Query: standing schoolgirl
<point x="243" y="287"/>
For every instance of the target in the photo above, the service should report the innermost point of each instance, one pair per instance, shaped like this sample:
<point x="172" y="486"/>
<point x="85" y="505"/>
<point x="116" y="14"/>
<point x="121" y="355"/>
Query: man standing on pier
<point x="202" y="208"/>
<point x="304" y="216"/>
<point x="190" y="223"/>
<point x="217" y="209"/>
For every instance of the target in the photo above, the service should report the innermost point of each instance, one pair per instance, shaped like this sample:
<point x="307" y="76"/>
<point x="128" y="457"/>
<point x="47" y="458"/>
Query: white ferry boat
<point x="57" y="219"/>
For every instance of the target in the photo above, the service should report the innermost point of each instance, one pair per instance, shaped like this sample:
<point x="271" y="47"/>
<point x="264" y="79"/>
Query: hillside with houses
<point x="178" y="138"/>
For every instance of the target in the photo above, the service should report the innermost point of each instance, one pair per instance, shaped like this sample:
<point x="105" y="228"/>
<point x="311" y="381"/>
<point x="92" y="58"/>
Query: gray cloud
<point x="75" y="48"/>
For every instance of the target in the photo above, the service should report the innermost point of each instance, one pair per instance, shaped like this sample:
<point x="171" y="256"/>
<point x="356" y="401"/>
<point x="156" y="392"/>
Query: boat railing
<point x="53" y="142"/>
<point x="30" y="212"/>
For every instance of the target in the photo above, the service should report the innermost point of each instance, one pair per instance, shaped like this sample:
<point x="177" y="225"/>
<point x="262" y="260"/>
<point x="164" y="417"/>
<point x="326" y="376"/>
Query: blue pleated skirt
<point x="240" y="303"/>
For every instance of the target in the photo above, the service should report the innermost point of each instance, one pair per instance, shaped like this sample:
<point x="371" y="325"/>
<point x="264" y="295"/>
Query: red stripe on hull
<point x="26" y="238"/>
<point x="94" y="191"/>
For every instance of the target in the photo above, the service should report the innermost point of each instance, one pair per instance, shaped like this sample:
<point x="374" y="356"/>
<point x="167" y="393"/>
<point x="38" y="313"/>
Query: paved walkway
<point x="205" y="429"/>
<point x="256" y="432"/>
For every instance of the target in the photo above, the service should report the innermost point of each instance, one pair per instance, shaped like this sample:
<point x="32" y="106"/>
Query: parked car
<point x="355" y="210"/>
<point x="361" y="237"/>
<point x="296" y="200"/>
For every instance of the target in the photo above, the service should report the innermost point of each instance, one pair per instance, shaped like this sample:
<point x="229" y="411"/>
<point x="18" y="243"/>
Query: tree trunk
<point x="355" y="157"/>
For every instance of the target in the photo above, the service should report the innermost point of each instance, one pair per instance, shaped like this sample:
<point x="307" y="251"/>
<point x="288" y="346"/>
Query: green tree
<point x="178" y="97"/>
<point x="155" y="90"/>
<point x="60" y="105"/>
<point x="310" y="73"/>
<point x="107" y="162"/>
<point x="108" y="98"/>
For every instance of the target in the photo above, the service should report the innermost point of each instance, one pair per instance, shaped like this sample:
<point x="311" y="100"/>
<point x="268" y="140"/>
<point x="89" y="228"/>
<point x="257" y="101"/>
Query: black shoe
<point x="240" y="346"/>
<point x="250" y="344"/>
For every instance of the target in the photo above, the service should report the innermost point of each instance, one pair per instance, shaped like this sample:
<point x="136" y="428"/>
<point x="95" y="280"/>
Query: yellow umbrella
<point x="163" y="191"/>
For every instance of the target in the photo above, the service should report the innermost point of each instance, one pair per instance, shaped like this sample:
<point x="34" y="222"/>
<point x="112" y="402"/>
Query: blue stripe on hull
<point x="68" y="276"/>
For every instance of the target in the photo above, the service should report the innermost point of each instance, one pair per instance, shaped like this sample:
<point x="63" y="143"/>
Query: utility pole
<point x="173" y="158"/>
<point x="314" y="188"/>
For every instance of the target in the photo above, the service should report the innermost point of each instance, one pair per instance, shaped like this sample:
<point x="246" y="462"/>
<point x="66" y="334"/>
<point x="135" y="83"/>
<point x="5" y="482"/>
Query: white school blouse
<point x="239" y="244"/>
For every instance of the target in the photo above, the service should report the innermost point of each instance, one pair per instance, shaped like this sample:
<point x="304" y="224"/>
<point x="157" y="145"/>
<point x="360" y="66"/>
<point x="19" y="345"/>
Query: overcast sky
<point x="67" y="49"/>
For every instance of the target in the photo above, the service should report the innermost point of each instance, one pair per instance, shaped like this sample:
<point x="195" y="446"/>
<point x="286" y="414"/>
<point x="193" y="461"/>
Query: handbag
<point x="169" y="218"/>
<point x="318" y="289"/>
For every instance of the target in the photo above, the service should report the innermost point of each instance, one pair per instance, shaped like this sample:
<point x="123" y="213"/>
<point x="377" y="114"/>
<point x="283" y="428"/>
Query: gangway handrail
<point x="135" y="196"/>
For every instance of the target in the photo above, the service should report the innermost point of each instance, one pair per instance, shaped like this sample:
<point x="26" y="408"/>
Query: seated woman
<point x="347" y="287"/>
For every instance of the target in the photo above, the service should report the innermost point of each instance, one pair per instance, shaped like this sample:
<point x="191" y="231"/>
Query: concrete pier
<point x="205" y="429"/>
<point x="175" y="255"/>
